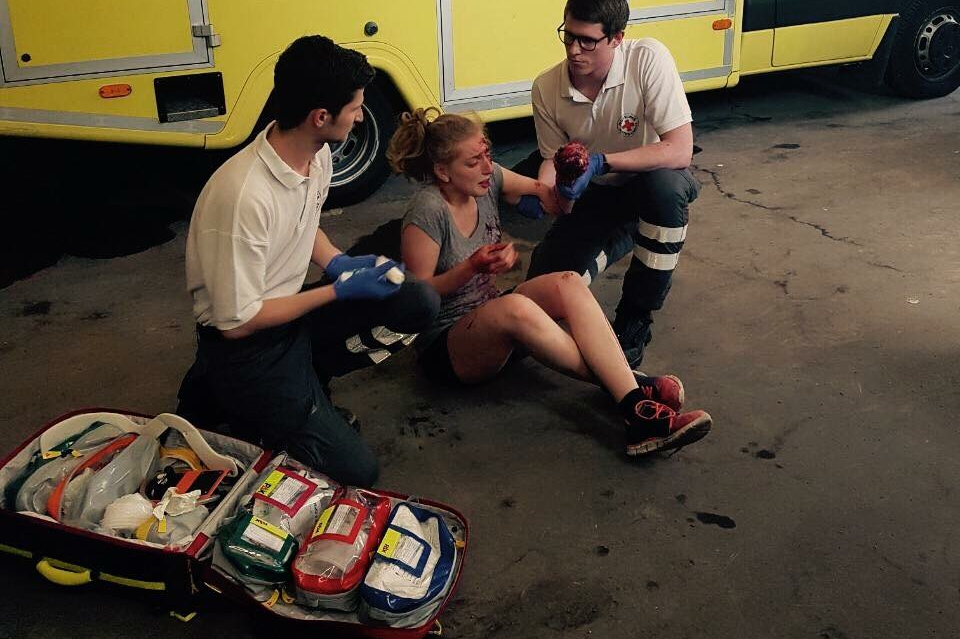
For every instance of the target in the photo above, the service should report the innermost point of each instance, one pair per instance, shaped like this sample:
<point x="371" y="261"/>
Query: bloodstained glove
<point x="530" y="206"/>
<point x="367" y="283"/>
<point x="342" y="263"/>
<point x="570" y="161"/>
<point x="595" y="166"/>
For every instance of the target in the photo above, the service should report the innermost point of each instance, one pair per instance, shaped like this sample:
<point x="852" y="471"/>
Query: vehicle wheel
<point x="360" y="163"/>
<point x="925" y="59"/>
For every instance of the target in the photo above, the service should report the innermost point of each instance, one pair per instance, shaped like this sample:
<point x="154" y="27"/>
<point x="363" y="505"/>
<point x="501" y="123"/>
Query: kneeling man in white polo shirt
<point x="624" y="101"/>
<point x="265" y="345"/>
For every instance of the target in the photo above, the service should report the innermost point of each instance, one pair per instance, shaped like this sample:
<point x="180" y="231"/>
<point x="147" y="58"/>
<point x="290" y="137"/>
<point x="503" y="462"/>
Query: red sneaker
<point x="667" y="389"/>
<point x="656" y="426"/>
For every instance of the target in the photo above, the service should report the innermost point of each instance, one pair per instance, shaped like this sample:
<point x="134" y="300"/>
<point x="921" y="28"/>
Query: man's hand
<point x="367" y="283"/>
<point x="493" y="258"/>
<point x="575" y="190"/>
<point x="343" y="262"/>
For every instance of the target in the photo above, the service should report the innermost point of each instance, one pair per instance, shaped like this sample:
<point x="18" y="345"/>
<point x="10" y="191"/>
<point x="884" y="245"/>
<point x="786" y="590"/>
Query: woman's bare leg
<point x="564" y="297"/>
<point x="481" y="342"/>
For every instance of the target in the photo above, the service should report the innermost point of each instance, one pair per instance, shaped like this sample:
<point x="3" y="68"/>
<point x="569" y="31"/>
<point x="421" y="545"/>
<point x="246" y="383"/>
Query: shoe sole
<point x="692" y="432"/>
<point x="681" y="396"/>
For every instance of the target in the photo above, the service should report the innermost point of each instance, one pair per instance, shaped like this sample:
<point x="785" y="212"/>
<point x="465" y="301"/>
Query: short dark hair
<point x="612" y="14"/>
<point x="315" y="73"/>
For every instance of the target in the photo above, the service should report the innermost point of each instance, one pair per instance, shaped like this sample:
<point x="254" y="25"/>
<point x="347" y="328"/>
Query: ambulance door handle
<point x="206" y="32"/>
<point x="63" y="577"/>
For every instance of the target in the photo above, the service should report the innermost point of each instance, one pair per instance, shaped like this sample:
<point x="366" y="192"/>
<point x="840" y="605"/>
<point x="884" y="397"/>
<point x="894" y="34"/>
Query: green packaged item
<point x="258" y="549"/>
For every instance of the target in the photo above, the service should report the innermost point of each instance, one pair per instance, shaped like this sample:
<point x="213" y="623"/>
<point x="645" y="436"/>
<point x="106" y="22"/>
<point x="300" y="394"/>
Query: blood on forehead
<point x="476" y="148"/>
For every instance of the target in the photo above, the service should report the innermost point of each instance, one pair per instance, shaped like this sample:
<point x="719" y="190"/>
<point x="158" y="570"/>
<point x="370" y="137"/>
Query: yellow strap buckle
<point x="272" y="601"/>
<point x="184" y="618"/>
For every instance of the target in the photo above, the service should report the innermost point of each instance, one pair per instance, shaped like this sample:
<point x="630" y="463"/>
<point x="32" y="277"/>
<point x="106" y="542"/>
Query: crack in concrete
<point x="719" y="186"/>
<point x="825" y="232"/>
<point x="715" y="123"/>
<point x="716" y="183"/>
<point x="886" y="266"/>
<point x="760" y="277"/>
<point x="750" y="117"/>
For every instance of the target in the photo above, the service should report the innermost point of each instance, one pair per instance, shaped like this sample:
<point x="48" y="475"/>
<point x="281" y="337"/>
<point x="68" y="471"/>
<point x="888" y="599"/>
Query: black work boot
<point x="633" y="333"/>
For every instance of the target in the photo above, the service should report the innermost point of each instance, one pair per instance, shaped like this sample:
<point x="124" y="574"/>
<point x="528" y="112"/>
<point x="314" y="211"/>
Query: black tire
<point x="925" y="59"/>
<point x="360" y="164"/>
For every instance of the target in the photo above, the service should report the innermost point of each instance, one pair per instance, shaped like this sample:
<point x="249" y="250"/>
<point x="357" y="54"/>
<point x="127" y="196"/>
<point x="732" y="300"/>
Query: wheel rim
<point x="938" y="45"/>
<point x="355" y="155"/>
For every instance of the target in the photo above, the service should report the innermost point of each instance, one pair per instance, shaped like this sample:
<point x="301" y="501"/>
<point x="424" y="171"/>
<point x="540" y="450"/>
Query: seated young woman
<point x="451" y="239"/>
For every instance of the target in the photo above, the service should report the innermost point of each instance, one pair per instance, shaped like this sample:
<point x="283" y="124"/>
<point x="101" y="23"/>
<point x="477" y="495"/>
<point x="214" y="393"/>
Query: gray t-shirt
<point x="429" y="212"/>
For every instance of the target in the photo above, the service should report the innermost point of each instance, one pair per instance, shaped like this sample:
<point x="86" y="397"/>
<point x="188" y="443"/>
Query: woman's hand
<point x="493" y="258"/>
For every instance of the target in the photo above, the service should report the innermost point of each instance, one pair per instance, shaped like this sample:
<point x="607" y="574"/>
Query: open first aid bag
<point x="80" y="499"/>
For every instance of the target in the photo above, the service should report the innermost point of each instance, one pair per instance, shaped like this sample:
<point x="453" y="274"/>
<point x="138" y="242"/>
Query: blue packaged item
<point x="412" y="570"/>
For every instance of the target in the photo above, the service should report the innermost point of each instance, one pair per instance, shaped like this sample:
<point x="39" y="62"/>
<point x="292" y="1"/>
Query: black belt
<point x="212" y="334"/>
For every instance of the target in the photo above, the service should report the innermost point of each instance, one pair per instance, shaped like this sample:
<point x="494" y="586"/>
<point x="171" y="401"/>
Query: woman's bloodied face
<point x="471" y="169"/>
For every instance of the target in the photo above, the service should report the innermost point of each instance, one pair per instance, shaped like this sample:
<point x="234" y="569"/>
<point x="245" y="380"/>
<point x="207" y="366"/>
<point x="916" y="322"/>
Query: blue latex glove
<point x="343" y="262"/>
<point x="367" y="283"/>
<point x="575" y="190"/>
<point x="529" y="206"/>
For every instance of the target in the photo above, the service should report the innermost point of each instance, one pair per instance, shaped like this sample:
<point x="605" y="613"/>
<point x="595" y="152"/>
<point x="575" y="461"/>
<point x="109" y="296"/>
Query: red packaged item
<point x="571" y="161"/>
<point x="331" y="564"/>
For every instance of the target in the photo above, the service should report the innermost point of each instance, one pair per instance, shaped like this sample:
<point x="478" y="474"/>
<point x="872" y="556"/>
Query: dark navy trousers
<point x="268" y="387"/>
<point x="646" y="216"/>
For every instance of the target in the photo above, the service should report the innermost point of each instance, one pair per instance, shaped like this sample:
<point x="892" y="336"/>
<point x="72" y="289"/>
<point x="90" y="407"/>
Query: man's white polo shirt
<point x="641" y="98"/>
<point x="253" y="232"/>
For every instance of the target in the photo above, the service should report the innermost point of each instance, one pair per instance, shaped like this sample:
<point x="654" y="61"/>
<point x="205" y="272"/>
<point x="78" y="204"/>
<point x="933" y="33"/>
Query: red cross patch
<point x="629" y="125"/>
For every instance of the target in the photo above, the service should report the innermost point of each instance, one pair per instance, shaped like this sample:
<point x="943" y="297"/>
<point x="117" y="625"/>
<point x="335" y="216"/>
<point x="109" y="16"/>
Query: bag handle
<point x="210" y="458"/>
<point x="62" y="576"/>
<point x="73" y="426"/>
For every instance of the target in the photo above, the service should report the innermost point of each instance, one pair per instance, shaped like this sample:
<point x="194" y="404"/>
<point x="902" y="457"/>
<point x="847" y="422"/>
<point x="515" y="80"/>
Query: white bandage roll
<point x="394" y="275"/>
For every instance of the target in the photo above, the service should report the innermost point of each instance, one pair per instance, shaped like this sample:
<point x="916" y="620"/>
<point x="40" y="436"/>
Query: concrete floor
<point x="814" y="314"/>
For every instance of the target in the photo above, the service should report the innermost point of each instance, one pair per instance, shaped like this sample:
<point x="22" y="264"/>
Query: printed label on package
<point x="285" y="490"/>
<point x="340" y="521"/>
<point x="400" y="548"/>
<point x="264" y="534"/>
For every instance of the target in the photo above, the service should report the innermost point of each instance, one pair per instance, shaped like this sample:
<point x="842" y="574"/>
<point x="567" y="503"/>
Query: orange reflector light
<point x="115" y="91"/>
<point x="722" y="25"/>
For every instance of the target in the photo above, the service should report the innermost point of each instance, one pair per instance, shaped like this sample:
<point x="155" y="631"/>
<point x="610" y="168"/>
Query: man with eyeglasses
<point x="624" y="101"/>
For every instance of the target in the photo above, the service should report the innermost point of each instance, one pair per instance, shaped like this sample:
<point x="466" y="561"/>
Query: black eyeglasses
<point x="586" y="42"/>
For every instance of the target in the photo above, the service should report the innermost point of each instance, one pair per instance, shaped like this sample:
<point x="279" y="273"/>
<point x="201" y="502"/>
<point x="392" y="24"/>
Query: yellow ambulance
<point x="199" y="72"/>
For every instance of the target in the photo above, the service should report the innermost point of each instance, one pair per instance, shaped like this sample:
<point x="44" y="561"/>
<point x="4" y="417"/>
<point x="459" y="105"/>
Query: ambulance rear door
<point x="699" y="34"/>
<point x="491" y="51"/>
<point x="54" y="40"/>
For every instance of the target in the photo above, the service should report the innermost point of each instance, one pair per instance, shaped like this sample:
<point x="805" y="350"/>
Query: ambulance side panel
<point x="786" y="34"/>
<point x="57" y="58"/>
